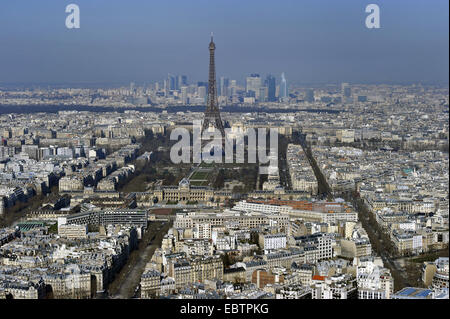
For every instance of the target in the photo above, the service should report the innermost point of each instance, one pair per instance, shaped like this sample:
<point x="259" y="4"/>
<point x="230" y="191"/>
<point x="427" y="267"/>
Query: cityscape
<point x="353" y="204"/>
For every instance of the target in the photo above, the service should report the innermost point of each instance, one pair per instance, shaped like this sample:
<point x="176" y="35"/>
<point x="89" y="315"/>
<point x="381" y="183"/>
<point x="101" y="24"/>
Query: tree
<point x="220" y="179"/>
<point x="226" y="260"/>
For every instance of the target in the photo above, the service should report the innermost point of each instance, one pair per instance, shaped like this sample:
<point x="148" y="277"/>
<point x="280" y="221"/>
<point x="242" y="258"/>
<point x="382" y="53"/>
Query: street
<point x="127" y="280"/>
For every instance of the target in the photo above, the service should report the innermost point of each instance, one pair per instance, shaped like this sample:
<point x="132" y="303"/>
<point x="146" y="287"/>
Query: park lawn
<point x="199" y="183"/>
<point x="204" y="164"/>
<point x="200" y="176"/>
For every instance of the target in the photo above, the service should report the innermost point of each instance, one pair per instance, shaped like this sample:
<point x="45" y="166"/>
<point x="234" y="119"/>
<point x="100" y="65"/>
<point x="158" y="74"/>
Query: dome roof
<point x="184" y="182"/>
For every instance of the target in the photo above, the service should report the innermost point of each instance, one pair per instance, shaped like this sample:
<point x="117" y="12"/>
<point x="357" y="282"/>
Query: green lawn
<point x="204" y="164"/>
<point x="200" y="176"/>
<point x="199" y="183"/>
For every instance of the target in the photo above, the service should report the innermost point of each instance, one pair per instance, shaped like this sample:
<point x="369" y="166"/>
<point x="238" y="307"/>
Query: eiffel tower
<point x="212" y="112"/>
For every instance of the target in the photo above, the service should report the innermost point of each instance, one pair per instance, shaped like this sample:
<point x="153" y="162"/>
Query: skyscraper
<point x="262" y="94"/>
<point x="171" y="81"/>
<point x="201" y="93"/>
<point x="181" y="81"/>
<point x="283" y="88"/>
<point x="346" y="90"/>
<point x="184" y="98"/>
<point x="166" y="87"/>
<point x="271" y="88"/>
<point x="223" y="86"/>
<point x="253" y="84"/>
<point x="309" y="96"/>
<point x="233" y="89"/>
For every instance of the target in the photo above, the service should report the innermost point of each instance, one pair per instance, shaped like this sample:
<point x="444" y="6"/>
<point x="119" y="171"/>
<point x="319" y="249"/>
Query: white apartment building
<point x="374" y="282"/>
<point x="270" y="242"/>
<point x="72" y="231"/>
<point x="69" y="184"/>
<point x="321" y="241"/>
<point x="255" y="207"/>
<point x="202" y="230"/>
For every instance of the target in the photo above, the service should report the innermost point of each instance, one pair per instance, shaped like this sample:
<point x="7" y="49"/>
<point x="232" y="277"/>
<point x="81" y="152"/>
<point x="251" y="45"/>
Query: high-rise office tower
<point x="262" y="94"/>
<point x="223" y="86"/>
<point x="253" y="84"/>
<point x="201" y="92"/>
<point x="346" y="90"/>
<point x="184" y="98"/>
<point x="232" y="91"/>
<point x="309" y="96"/>
<point x="283" y="88"/>
<point x="181" y="81"/>
<point x="270" y="83"/>
<point x="166" y="87"/>
<point x="171" y="81"/>
<point x="212" y="112"/>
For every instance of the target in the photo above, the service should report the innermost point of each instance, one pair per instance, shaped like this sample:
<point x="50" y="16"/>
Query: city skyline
<point x="305" y="158"/>
<point x="122" y="44"/>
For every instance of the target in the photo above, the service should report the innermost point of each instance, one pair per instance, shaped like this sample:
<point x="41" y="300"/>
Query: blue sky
<point x="312" y="41"/>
